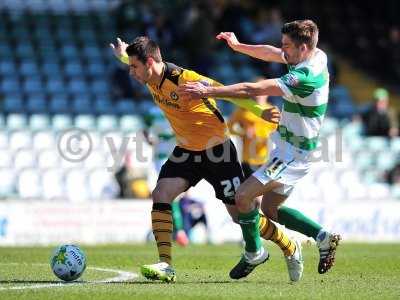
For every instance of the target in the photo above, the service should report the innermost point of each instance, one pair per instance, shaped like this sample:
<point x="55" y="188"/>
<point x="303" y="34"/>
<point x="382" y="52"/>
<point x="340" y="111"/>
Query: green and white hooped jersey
<point x="305" y="100"/>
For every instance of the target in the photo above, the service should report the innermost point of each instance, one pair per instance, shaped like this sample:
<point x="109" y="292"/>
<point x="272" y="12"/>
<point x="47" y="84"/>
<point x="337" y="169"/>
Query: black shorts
<point x="218" y="165"/>
<point x="248" y="169"/>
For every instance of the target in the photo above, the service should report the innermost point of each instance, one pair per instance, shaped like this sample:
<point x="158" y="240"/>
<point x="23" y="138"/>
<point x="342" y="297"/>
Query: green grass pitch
<point x="362" y="271"/>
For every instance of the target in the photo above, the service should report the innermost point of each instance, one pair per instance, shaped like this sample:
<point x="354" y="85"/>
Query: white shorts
<point x="286" y="165"/>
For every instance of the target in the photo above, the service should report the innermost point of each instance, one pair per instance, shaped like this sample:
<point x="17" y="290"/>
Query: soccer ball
<point x="68" y="262"/>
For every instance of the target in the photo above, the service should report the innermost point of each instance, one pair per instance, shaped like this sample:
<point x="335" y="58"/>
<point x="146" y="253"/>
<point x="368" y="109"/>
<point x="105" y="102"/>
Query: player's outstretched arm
<point x="233" y="93"/>
<point x="196" y="90"/>
<point x="263" y="52"/>
<point x="119" y="50"/>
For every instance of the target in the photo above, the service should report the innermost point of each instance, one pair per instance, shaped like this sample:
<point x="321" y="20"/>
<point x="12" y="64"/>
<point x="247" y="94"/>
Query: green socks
<point x="176" y="215"/>
<point x="249" y="223"/>
<point x="295" y="220"/>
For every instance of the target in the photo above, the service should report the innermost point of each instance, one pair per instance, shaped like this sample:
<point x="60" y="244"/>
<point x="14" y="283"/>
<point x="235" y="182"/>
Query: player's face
<point x="293" y="54"/>
<point x="138" y="70"/>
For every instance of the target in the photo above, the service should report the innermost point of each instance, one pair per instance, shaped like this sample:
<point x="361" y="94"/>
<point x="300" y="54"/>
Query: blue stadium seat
<point x="125" y="107"/>
<point x="59" y="104"/>
<point x="69" y="51"/>
<point x="100" y="87"/>
<point x="78" y="86"/>
<point x="13" y="103"/>
<point x="104" y="106"/>
<point x="28" y="68"/>
<point x="73" y="69"/>
<point x="50" y="69"/>
<point x="24" y="50"/>
<point x="82" y="105"/>
<point x="10" y="85"/>
<point x="33" y="85"/>
<point x="36" y="103"/>
<point x="96" y="69"/>
<point x="7" y="68"/>
<point x="55" y="85"/>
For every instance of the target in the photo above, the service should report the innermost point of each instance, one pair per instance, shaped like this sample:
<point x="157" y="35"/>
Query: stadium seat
<point x="6" y="158"/>
<point x="2" y="122"/>
<point x="107" y="122"/>
<point x="7" y="183"/>
<point x="55" y="85"/>
<point x="82" y="105"/>
<point x="78" y="86"/>
<point x="36" y="104"/>
<point x="386" y="160"/>
<point x="39" y="122"/>
<point x="102" y="185"/>
<point x="395" y="144"/>
<point x="61" y="122"/>
<point x="13" y="103"/>
<point x="100" y="87"/>
<point x="59" y="105"/>
<point x="104" y="106"/>
<point x="329" y="126"/>
<point x="16" y="121"/>
<point x="376" y="143"/>
<point x="44" y="139"/>
<point x="76" y="185"/>
<point x="50" y="69"/>
<point x="364" y="159"/>
<point x="29" y="184"/>
<point x="53" y="186"/>
<point x="10" y="85"/>
<point x="20" y="139"/>
<point x="126" y="107"/>
<point x="95" y="160"/>
<point x="85" y="122"/>
<point x="4" y="139"/>
<point x="24" y="159"/>
<point x="28" y="68"/>
<point x="7" y="67"/>
<point x="73" y="69"/>
<point x="131" y="123"/>
<point x="48" y="159"/>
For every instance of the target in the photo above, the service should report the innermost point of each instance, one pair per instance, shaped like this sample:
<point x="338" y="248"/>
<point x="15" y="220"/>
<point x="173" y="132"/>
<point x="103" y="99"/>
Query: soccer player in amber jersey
<point x="203" y="151"/>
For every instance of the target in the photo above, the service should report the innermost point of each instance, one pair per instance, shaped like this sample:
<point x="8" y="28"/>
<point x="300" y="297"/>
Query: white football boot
<point x="295" y="263"/>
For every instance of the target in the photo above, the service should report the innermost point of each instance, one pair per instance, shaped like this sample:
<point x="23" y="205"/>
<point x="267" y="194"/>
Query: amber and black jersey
<point x="197" y="123"/>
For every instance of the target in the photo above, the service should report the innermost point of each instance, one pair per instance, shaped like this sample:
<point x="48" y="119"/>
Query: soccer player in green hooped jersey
<point x="305" y="91"/>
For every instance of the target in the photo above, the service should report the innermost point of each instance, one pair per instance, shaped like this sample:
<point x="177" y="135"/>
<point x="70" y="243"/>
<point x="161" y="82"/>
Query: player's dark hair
<point x="302" y="31"/>
<point x="143" y="47"/>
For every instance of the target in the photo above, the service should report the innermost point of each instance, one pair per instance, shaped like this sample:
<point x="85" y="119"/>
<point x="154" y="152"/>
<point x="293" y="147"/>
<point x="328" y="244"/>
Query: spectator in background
<point x="122" y="87"/>
<point x="199" y="27"/>
<point x="380" y="119"/>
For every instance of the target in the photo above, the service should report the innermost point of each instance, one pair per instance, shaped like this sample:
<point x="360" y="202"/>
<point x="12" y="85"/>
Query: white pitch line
<point x="122" y="276"/>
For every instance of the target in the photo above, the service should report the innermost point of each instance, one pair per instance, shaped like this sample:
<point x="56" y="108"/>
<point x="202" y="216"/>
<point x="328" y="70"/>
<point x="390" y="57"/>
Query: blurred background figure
<point x="254" y="133"/>
<point x="380" y="119"/>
